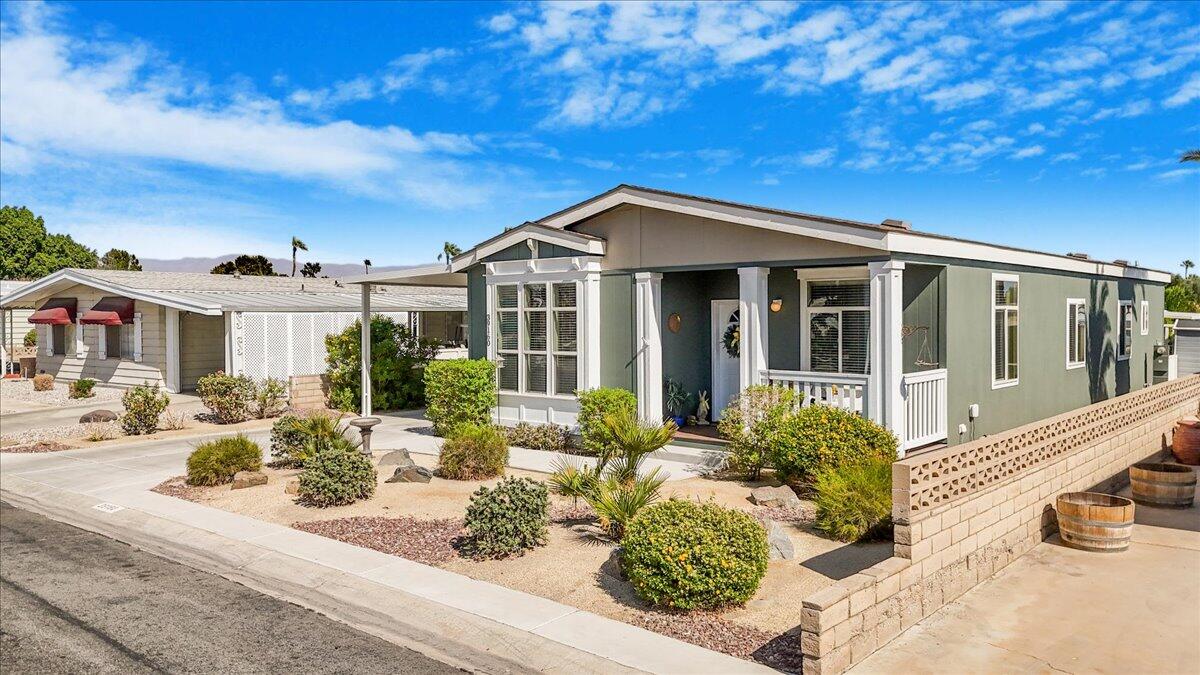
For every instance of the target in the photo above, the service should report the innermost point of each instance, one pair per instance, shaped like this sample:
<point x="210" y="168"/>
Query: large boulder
<point x="245" y="479"/>
<point x="398" y="458"/>
<point x="778" y="542"/>
<point x="774" y="496"/>
<point x="98" y="416"/>
<point x="411" y="474"/>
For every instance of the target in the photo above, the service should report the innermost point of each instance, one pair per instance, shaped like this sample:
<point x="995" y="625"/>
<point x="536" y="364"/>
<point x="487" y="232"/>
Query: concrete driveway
<point x="1063" y="610"/>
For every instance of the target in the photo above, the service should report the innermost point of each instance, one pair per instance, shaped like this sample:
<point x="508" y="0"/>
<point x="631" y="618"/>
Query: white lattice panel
<point x="282" y="344"/>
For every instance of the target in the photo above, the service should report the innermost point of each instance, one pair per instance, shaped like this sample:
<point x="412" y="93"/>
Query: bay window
<point x="537" y="337"/>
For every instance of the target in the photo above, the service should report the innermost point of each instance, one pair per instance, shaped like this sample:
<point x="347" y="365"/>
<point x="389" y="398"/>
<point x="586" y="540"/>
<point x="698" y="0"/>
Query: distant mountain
<point x="282" y="265"/>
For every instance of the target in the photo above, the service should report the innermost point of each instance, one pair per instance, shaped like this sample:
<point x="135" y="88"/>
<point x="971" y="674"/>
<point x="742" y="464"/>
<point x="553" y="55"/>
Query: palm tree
<point x="1190" y="156"/>
<point x="367" y="266"/>
<point x="297" y="245"/>
<point x="1187" y="265"/>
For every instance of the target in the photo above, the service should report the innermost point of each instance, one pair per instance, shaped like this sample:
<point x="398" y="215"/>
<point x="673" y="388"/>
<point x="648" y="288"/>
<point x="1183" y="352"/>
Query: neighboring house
<point x="940" y="339"/>
<point x="171" y="328"/>
<point x="14" y="325"/>
<point x="1186" y="326"/>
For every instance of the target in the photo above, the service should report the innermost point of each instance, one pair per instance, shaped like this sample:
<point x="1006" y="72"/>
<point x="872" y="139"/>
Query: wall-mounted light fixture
<point x="674" y="322"/>
<point x="776" y="304"/>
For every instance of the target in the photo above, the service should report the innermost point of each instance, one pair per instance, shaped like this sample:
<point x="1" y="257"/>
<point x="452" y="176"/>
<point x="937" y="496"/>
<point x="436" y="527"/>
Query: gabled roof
<point x="585" y="243"/>
<point x="213" y="294"/>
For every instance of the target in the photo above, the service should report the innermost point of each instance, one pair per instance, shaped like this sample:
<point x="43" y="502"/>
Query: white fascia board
<point x="902" y="242"/>
<point x="49" y="284"/>
<point x="399" y="277"/>
<point x="846" y="234"/>
<point x="565" y="238"/>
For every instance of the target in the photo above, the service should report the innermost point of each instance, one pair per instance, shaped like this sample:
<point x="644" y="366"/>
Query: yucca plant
<point x="572" y="481"/>
<point x="617" y="502"/>
<point x="632" y="439"/>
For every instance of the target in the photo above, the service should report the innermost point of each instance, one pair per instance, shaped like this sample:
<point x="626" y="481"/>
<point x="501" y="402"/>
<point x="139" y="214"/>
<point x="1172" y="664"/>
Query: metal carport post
<point x="366" y="350"/>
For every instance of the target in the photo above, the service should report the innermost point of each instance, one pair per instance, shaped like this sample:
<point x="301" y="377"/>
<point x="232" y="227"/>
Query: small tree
<point x="311" y="270"/>
<point x="398" y="361"/>
<point x="247" y="265"/>
<point x="120" y="259"/>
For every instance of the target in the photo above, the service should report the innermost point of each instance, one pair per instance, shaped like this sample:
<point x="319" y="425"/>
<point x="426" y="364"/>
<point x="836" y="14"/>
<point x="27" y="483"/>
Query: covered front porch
<point x="866" y="337"/>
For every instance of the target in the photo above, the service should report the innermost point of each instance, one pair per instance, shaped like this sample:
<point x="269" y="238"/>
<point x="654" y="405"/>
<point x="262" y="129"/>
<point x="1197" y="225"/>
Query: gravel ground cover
<point x="41" y="446"/>
<point x="425" y="541"/>
<point x="58" y="433"/>
<point x="178" y="487"/>
<point x="22" y="391"/>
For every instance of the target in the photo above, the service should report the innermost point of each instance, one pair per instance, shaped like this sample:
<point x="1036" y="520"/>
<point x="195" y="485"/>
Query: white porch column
<point x="648" y="357"/>
<point x="365" y="332"/>
<point x="753" y="305"/>
<point x="886" y="399"/>
<point x="172" y="336"/>
<point x="228" y="317"/>
<point x="589" y="341"/>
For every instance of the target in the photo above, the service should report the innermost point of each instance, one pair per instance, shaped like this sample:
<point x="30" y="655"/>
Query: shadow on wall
<point x="1101" y="355"/>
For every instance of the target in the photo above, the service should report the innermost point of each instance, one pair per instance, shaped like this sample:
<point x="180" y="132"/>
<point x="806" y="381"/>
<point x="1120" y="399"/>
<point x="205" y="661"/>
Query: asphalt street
<point x="76" y="602"/>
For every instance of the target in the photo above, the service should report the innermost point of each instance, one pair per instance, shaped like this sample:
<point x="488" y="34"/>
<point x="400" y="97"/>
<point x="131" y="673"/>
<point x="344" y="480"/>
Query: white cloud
<point x="599" y="164"/>
<point x="1188" y="92"/>
<point x="1065" y="157"/>
<point x="1177" y="174"/>
<point x="805" y="159"/>
<point x="951" y="97"/>
<point x="502" y="23"/>
<point x="1034" y="11"/>
<point x="1132" y="109"/>
<point x="1094" y="172"/>
<point x="1031" y="151"/>
<point x="1071" y="59"/>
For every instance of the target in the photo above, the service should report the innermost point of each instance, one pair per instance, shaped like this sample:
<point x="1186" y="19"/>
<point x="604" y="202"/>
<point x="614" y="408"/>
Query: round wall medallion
<point x="674" y="322"/>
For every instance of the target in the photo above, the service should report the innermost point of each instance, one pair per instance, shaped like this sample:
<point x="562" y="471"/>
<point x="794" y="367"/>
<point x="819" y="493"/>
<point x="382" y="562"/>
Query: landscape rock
<point x="98" y="416"/>
<point x="778" y="542"/>
<point x="292" y="487"/>
<point x="411" y="474"/>
<point x="398" y="458"/>
<point x="774" y="496"/>
<point x="245" y="479"/>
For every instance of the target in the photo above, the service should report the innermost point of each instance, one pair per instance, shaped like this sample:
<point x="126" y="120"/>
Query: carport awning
<point x="110" y="311"/>
<point x="55" y="312"/>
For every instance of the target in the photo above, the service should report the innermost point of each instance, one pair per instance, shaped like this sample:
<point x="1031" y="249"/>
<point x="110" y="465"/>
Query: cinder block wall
<point x="308" y="392"/>
<point x="964" y="512"/>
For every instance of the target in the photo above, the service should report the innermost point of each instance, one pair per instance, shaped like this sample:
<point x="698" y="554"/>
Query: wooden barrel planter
<point x="1185" y="445"/>
<point x="1154" y="484"/>
<point x="1095" y="522"/>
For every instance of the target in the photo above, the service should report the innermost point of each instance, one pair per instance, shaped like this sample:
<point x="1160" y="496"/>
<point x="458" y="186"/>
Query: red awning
<point x="55" y="312"/>
<point x="110" y="311"/>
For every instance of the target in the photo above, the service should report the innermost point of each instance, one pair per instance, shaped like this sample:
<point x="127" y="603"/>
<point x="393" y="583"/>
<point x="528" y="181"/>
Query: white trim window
<point x="1076" y="333"/>
<point x="1144" y="316"/>
<point x="837" y="323"/>
<point x="537" y="337"/>
<point x="1125" y="325"/>
<point x="1006" y="320"/>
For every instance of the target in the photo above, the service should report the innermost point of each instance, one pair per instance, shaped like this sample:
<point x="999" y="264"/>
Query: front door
<point x="726" y="345"/>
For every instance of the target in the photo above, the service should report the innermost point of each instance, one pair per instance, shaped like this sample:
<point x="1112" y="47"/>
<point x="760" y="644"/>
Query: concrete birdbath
<point x="364" y="425"/>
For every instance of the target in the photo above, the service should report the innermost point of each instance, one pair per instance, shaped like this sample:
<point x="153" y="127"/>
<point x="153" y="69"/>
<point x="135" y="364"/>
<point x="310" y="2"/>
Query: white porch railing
<point x="924" y="407"/>
<point x="840" y="390"/>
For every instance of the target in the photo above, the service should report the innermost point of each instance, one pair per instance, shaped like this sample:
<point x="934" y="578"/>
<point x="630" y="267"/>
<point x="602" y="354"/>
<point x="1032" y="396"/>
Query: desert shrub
<point x="43" y="382"/>
<point x="270" y="398"/>
<point x="143" y="406"/>
<point x="569" y="480"/>
<point x="30" y="338"/>
<point x="215" y="462"/>
<point x="594" y="406"/>
<point x="172" y="420"/>
<point x="854" y="501"/>
<point x="397" y="360"/>
<point x="630" y="440"/>
<point x="550" y="437"/>
<point x="820" y="437"/>
<point x="473" y="451"/>
<point x="617" y="502"/>
<point x="82" y="388"/>
<point x="336" y="473"/>
<point x="751" y="423"/>
<point x="291" y="435"/>
<point x="507" y="519"/>
<point x="227" y="396"/>
<point x="686" y="555"/>
<point x="102" y="431"/>
<point x="459" y="391"/>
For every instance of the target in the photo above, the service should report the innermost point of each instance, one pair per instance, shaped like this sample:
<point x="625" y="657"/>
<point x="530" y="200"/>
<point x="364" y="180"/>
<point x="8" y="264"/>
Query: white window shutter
<point x="46" y="335"/>
<point x="102" y="342"/>
<point x="137" y="337"/>
<point x="79" y="346"/>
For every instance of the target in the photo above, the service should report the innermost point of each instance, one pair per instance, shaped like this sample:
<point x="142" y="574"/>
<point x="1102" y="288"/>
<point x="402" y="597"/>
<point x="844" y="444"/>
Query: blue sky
<point x="380" y="130"/>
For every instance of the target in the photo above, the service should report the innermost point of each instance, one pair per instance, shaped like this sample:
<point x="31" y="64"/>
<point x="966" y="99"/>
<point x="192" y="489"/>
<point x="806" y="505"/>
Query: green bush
<point x="397" y="360"/>
<point x="82" y="388"/>
<point x="291" y="433"/>
<point x="30" y="338"/>
<point x="336" y="473"/>
<point x="215" y="462"/>
<point x="472" y="452"/>
<point x="684" y="555"/>
<point x="270" y="398"/>
<point x="143" y="405"/>
<point x="854" y="501"/>
<point x="43" y="382"/>
<point x="751" y="423"/>
<point x="228" y="396"/>
<point x="507" y="519"/>
<point x="820" y="437"/>
<point x="459" y="391"/>
<point x="617" y="502"/>
<point x="549" y="437"/>
<point x="594" y="406"/>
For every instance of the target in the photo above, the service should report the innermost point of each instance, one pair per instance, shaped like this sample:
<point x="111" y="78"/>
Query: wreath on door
<point x="732" y="340"/>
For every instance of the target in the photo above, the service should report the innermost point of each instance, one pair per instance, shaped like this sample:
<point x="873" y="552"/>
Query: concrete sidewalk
<point x="1064" y="610"/>
<point x="450" y="617"/>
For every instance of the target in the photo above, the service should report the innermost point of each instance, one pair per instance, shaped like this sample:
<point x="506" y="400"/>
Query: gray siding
<point x="521" y="252"/>
<point x="477" y="313"/>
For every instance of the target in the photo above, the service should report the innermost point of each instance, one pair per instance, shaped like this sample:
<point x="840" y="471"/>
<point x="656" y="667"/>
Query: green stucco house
<point x="942" y="340"/>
